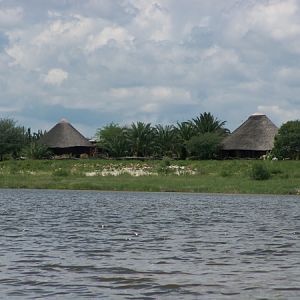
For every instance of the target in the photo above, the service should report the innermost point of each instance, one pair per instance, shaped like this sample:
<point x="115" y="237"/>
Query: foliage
<point x="184" y="132"/>
<point x="141" y="139"/>
<point x="113" y="140"/>
<point x="204" y="146"/>
<point x="287" y="141"/>
<point x="206" y="122"/>
<point x="165" y="141"/>
<point x="33" y="137"/>
<point x="34" y="150"/>
<point x="201" y="136"/>
<point x="259" y="171"/>
<point x="12" y="138"/>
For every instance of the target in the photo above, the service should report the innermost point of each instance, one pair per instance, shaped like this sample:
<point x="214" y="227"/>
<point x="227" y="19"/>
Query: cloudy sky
<point x="159" y="61"/>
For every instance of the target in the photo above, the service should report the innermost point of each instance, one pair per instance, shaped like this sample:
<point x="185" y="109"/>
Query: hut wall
<point x="243" y="154"/>
<point x="73" y="151"/>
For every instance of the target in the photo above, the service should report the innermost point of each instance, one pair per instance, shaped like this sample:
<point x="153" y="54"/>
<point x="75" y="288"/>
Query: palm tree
<point x="165" y="140"/>
<point x="184" y="132"/>
<point x="113" y="140"/>
<point x="141" y="138"/>
<point x="206" y="122"/>
<point x="208" y="135"/>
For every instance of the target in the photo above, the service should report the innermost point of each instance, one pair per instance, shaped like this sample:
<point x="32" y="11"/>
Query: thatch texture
<point x="64" y="135"/>
<point x="255" y="134"/>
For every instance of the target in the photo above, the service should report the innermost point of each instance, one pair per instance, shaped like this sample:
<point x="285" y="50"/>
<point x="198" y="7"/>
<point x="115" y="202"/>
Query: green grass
<point x="232" y="176"/>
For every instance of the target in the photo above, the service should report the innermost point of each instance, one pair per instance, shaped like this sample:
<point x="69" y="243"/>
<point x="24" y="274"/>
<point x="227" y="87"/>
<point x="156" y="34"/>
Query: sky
<point x="94" y="62"/>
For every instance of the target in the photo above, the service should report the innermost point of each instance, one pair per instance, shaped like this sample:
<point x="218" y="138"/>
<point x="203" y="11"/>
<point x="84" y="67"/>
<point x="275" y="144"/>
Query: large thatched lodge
<point x="254" y="138"/>
<point x="63" y="138"/>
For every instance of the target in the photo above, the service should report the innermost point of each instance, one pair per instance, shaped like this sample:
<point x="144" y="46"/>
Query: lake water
<point x="107" y="245"/>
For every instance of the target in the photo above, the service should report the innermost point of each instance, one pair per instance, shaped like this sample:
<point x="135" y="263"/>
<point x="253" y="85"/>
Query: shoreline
<point x="155" y="192"/>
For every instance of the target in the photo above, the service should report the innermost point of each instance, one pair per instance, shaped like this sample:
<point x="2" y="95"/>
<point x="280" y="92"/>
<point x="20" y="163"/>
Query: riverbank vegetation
<point x="182" y="160"/>
<point x="210" y="176"/>
<point x="199" y="138"/>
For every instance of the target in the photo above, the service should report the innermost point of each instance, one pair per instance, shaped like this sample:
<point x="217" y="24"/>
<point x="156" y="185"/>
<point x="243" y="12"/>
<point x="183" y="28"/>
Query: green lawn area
<point x="230" y="176"/>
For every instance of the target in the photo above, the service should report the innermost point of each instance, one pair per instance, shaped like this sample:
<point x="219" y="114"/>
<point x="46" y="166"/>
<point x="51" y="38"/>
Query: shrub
<point x="165" y="162"/>
<point x="204" y="146"/>
<point x="260" y="172"/>
<point x="37" y="151"/>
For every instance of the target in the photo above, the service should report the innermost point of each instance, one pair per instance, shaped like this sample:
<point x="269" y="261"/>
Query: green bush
<point x="204" y="146"/>
<point x="260" y="172"/>
<point x="37" y="151"/>
<point x="165" y="162"/>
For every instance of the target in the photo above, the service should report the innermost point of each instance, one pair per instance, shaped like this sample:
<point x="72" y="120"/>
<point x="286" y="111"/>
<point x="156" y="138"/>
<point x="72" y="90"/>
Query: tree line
<point x="198" y="138"/>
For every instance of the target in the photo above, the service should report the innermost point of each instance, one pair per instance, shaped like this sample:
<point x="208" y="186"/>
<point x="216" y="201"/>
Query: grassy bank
<point x="175" y="176"/>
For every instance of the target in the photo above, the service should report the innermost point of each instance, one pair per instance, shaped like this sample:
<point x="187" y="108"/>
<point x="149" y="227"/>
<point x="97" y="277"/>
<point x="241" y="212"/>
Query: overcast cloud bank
<point x="158" y="61"/>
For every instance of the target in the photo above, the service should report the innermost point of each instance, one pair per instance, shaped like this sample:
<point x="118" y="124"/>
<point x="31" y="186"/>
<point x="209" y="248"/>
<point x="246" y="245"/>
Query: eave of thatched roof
<point x="64" y="135"/>
<point x="255" y="134"/>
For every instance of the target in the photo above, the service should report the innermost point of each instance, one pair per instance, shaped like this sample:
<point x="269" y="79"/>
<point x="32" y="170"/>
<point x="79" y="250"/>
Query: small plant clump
<point x="260" y="172"/>
<point x="61" y="173"/>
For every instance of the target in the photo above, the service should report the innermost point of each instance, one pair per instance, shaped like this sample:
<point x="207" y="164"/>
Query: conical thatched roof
<point x="256" y="134"/>
<point x="64" y="135"/>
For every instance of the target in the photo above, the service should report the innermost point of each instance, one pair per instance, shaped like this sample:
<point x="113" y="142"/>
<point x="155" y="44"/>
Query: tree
<point x="33" y="137"/>
<point x="184" y="132"/>
<point x="141" y="139"/>
<point x="287" y="141"/>
<point x="208" y="135"/>
<point x="113" y="140"/>
<point x="12" y="138"/>
<point x="206" y="122"/>
<point x="204" y="146"/>
<point x="165" y="140"/>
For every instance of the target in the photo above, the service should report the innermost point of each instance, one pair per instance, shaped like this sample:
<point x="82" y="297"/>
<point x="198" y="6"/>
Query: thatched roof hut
<point x="255" y="137"/>
<point x="63" y="138"/>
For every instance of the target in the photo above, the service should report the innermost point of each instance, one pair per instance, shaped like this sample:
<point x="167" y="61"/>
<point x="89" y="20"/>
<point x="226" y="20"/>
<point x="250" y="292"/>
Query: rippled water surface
<point x="102" y="245"/>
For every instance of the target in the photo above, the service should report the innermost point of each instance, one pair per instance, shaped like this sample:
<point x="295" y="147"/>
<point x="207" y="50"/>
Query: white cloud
<point x="153" y="20"/>
<point x="289" y="75"/>
<point x="60" y="32"/>
<point x="10" y="16"/>
<point x="158" y="94"/>
<point x="116" y="34"/>
<point x="283" y="114"/>
<point x="56" y="77"/>
<point x="16" y="52"/>
<point x="277" y="19"/>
